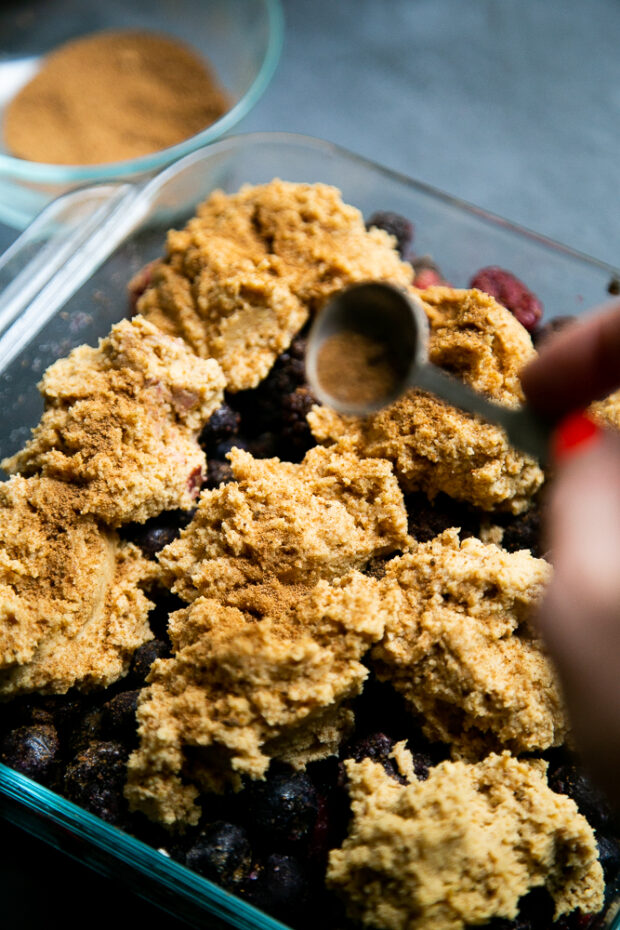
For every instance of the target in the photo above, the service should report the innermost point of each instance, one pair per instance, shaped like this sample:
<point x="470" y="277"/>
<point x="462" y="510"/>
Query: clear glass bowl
<point x="64" y="283"/>
<point x="241" y="38"/>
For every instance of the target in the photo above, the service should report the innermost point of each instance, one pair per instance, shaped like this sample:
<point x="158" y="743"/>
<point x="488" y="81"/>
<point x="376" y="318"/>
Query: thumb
<point x="580" y="614"/>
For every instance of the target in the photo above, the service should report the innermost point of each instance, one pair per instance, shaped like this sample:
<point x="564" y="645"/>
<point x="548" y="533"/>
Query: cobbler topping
<point x="461" y="847"/>
<point x="298" y="523"/>
<point x="71" y="600"/>
<point x="433" y="446"/>
<point x="243" y="276"/>
<point x="267" y="678"/>
<point x="461" y="650"/>
<point x="121" y="423"/>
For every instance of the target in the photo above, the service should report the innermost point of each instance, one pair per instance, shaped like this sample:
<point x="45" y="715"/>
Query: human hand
<point x="580" y="615"/>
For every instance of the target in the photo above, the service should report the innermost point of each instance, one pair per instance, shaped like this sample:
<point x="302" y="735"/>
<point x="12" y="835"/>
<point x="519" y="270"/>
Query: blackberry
<point x="223" y="424"/>
<point x="396" y="225"/>
<point x="524" y="532"/>
<point x="284" y="807"/>
<point x="427" y="273"/>
<point x="31" y="750"/>
<point x="263" y="446"/>
<point x="221" y="853"/>
<point x="95" y="779"/>
<point x="87" y="728"/>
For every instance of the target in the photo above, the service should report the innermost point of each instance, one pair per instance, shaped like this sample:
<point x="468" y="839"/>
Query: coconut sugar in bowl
<point x="219" y="59"/>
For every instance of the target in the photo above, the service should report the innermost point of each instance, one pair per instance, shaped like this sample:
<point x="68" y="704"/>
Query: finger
<point x="578" y="365"/>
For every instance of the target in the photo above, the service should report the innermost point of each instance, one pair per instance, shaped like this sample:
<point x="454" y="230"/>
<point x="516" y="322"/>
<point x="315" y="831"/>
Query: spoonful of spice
<point x="370" y="344"/>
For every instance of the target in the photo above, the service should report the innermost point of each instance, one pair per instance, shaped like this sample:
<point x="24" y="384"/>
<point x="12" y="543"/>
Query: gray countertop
<point x="513" y="105"/>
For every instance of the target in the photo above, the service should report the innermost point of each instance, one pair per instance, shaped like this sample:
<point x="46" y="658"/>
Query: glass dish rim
<point x="43" y="173"/>
<point x="58" y="810"/>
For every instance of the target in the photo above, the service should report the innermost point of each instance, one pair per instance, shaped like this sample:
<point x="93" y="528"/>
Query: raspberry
<point x="512" y="293"/>
<point x="427" y="273"/>
<point x="396" y="225"/>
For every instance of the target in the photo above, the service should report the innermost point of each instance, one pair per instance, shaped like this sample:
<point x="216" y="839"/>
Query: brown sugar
<point x="112" y="96"/>
<point x="355" y="369"/>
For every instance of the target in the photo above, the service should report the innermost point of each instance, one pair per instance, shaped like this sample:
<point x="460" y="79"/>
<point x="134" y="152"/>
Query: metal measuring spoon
<point x="395" y="322"/>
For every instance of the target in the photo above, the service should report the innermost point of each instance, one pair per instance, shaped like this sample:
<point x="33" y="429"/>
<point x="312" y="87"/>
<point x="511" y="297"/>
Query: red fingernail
<point x="573" y="433"/>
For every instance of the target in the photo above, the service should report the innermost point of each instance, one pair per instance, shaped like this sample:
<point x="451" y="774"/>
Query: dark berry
<point x="592" y="803"/>
<point x="555" y="325"/>
<point x="429" y="518"/>
<point x="221" y="853"/>
<point x="609" y="855"/>
<point x="222" y="449"/>
<point x="95" y="779"/>
<point x="223" y="424"/>
<point x="284" y="806"/>
<point x="396" y="225"/>
<point x="427" y="273"/>
<point x="159" y="531"/>
<point x="524" y="532"/>
<point x="296" y="434"/>
<point x="145" y="655"/>
<point x="511" y="292"/>
<point x="87" y="728"/>
<point x="30" y="750"/>
<point x="263" y="446"/>
<point x="613" y="287"/>
<point x="119" y="715"/>
<point x="279" y="885"/>
<point x="140" y="282"/>
<point x="218" y="472"/>
<point x="377" y="747"/>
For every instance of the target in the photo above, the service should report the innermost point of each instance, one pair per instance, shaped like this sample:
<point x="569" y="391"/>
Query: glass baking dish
<point x="63" y="283"/>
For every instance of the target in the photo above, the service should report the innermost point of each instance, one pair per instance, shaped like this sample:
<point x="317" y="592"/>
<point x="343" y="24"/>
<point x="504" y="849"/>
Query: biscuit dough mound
<point x="462" y="847"/>
<point x="460" y="649"/>
<point x="121" y="422"/>
<point x="296" y="523"/>
<point x="433" y="446"/>
<point x="246" y="272"/>
<point x="267" y="676"/>
<point x="72" y="608"/>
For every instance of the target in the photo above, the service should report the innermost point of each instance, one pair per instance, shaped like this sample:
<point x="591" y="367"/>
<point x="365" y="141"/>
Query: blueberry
<point x="284" y="806"/>
<point x="279" y="885"/>
<point x="592" y="803"/>
<point x="221" y="853"/>
<point x="31" y="750"/>
<point x="218" y="472"/>
<point x="119" y="715"/>
<point x="396" y="225"/>
<point x="377" y="747"/>
<point x="609" y="855"/>
<point x="157" y="532"/>
<point x="221" y="426"/>
<point x="145" y="655"/>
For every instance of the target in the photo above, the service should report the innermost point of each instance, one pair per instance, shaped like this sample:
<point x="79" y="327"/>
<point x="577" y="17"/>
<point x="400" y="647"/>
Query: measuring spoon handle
<point x="524" y="428"/>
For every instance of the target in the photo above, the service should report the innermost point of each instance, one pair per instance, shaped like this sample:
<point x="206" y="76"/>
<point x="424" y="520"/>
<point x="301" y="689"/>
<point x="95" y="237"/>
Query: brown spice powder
<point x="112" y="96"/>
<point x="355" y="369"/>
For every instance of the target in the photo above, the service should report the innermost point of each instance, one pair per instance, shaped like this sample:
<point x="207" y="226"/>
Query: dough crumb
<point x="296" y="523"/>
<point x="462" y="847"/>
<point x="460" y="648"/>
<point x="433" y="446"/>
<point x="267" y="676"/>
<point x="72" y="606"/>
<point x="121" y="423"/>
<point x="247" y="271"/>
